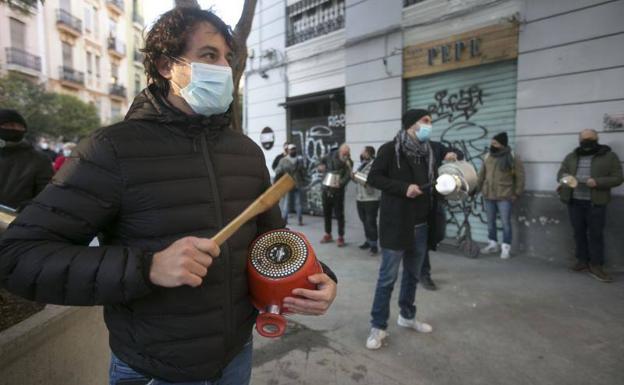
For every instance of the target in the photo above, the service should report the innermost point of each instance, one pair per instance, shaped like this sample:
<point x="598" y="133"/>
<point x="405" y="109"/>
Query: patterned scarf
<point x="416" y="151"/>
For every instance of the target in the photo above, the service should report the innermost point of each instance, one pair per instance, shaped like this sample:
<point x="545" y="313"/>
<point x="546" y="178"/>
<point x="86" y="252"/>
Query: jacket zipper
<point x="225" y="250"/>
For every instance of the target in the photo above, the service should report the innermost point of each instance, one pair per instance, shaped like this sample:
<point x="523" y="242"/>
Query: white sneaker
<point x="505" y="251"/>
<point x="492" y="247"/>
<point x="415" y="324"/>
<point x="375" y="338"/>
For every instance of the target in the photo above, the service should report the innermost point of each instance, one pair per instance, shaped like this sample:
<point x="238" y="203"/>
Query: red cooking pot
<point x="279" y="261"/>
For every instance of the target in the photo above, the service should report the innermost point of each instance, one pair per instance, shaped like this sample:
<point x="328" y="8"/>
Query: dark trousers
<point x="333" y="202"/>
<point x="367" y="212"/>
<point x="588" y="221"/>
<point x="425" y="271"/>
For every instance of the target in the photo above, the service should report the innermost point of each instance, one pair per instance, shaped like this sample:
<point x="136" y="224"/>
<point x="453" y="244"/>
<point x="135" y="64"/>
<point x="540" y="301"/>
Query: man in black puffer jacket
<point x="158" y="186"/>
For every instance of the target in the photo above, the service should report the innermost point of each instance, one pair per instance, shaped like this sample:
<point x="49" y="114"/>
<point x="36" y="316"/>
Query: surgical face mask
<point x="10" y="135"/>
<point x="424" y="133"/>
<point x="67" y="153"/>
<point x="44" y="146"/>
<point x="210" y="90"/>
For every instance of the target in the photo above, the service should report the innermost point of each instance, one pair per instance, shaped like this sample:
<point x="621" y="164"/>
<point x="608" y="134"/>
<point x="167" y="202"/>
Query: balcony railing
<point x="116" y="3"/>
<point x="138" y="18"/>
<point x="22" y="58"/>
<point x="117" y="46"/>
<point x="308" y="19"/>
<point x="67" y="19"/>
<point x="117" y="90"/>
<point x="71" y="75"/>
<point x="138" y="56"/>
<point x="407" y="3"/>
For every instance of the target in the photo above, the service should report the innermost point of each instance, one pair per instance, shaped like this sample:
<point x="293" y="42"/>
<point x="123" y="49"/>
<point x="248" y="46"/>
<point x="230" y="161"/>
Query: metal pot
<point x="457" y="180"/>
<point x="331" y="179"/>
<point x="361" y="176"/>
<point x="570" y="181"/>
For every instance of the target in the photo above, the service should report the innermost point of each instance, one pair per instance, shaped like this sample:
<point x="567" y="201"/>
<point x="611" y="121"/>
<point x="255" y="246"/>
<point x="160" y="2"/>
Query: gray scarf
<point x="416" y="151"/>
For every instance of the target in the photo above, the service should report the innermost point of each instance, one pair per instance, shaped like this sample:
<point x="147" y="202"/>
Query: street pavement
<point x="519" y="321"/>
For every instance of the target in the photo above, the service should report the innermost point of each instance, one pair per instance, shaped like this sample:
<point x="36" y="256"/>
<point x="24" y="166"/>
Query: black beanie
<point x="412" y="116"/>
<point x="501" y="138"/>
<point x="11" y="116"/>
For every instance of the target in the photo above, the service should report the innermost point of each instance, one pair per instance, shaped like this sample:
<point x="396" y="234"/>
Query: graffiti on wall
<point x="315" y="138"/>
<point x="467" y="136"/>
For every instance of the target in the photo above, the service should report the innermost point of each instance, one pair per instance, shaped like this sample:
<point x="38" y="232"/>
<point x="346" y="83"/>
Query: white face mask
<point x="67" y="153"/>
<point x="44" y="146"/>
<point x="211" y="89"/>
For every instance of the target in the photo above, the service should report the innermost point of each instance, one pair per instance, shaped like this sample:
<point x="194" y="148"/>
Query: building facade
<point x="86" y="48"/>
<point x="322" y="72"/>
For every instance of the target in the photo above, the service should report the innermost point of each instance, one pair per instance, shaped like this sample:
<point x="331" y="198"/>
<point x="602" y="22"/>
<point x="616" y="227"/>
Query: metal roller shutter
<point x="468" y="107"/>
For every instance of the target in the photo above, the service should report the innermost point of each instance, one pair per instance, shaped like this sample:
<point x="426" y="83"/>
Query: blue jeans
<point x="504" y="208"/>
<point x="297" y="195"/>
<point x="388" y="272"/>
<point x="238" y="371"/>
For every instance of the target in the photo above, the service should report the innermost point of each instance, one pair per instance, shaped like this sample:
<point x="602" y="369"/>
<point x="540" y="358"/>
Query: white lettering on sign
<point x="336" y="120"/>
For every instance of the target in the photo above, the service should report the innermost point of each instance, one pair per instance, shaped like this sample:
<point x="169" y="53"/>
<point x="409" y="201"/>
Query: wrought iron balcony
<point x="117" y="90"/>
<point x="116" y="46"/>
<point x="71" y="75"/>
<point x="308" y="19"/>
<point x="407" y="3"/>
<point x="70" y="22"/>
<point x="16" y="56"/>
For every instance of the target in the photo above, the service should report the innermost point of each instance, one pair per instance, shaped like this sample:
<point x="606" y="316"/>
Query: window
<point x="89" y="64"/>
<point x="137" y="84"/>
<point x="87" y="19"/>
<point x="97" y="67"/>
<point x="112" y="24"/>
<point x="115" y="110"/>
<point x="68" y="57"/>
<point x="96" y="23"/>
<point x="114" y="73"/>
<point x="18" y="34"/>
<point x="66" y="5"/>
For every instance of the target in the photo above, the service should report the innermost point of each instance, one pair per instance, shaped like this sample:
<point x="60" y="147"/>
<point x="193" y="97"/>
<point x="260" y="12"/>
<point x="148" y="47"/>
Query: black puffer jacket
<point x="24" y="172"/>
<point x="156" y="177"/>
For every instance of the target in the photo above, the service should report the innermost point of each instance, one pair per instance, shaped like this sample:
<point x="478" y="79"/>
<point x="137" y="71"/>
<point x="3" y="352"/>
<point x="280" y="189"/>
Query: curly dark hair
<point x="169" y="35"/>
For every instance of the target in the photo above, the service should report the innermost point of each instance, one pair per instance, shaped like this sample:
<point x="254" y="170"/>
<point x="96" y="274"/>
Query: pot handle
<point x="270" y="325"/>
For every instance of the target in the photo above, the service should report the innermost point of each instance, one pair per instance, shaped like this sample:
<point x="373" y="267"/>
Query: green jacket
<point x="496" y="184"/>
<point x="606" y="170"/>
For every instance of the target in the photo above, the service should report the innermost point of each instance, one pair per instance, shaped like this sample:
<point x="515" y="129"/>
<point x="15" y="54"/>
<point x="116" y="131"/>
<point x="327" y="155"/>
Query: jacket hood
<point x="150" y="105"/>
<point x="602" y="150"/>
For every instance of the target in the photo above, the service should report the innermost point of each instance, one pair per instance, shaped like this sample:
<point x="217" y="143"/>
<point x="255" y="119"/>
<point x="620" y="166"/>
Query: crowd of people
<point x="399" y="186"/>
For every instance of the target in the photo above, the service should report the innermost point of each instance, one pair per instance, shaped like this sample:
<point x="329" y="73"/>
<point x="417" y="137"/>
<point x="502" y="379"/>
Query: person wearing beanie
<point x="24" y="171"/>
<point x="404" y="171"/>
<point x="501" y="182"/>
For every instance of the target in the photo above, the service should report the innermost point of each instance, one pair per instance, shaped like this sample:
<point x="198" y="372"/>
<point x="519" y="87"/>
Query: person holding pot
<point x="367" y="200"/>
<point x="597" y="170"/>
<point x="501" y="182"/>
<point x="339" y="163"/>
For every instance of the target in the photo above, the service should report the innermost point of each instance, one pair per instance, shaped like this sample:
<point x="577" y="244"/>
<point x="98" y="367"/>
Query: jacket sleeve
<point x="564" y="169"/>
<point x="44" y="254"/>
<point x="379" y="174"/>
<point x="614" y="178"/>
<point x="43" y="176"/>
<point x="518" y="176"/>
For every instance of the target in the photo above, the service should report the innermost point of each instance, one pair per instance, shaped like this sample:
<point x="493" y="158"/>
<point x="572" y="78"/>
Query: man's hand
<point x="591" y="183"/>
<point x="413" y="191"/>
<point x="185" y="262"/>
<point x="314" y="302"/>
<point x="451" y="156"/>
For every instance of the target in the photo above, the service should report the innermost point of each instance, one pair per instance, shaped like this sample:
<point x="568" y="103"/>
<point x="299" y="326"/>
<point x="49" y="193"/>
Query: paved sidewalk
<point x="521" y="321"/>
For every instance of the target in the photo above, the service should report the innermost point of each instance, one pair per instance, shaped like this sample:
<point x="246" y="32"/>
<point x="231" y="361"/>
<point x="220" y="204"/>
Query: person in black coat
<point x="405" y="170"/>
<point x="158" y="186"/>
<point x="24" y="171"/>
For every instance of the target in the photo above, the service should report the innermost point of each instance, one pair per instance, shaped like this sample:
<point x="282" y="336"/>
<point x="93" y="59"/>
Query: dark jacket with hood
<point x="156" y="177"/>
<point x="397" y="214"/>
<point x="606" y="170"/>
<point x="24" y="172"/>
